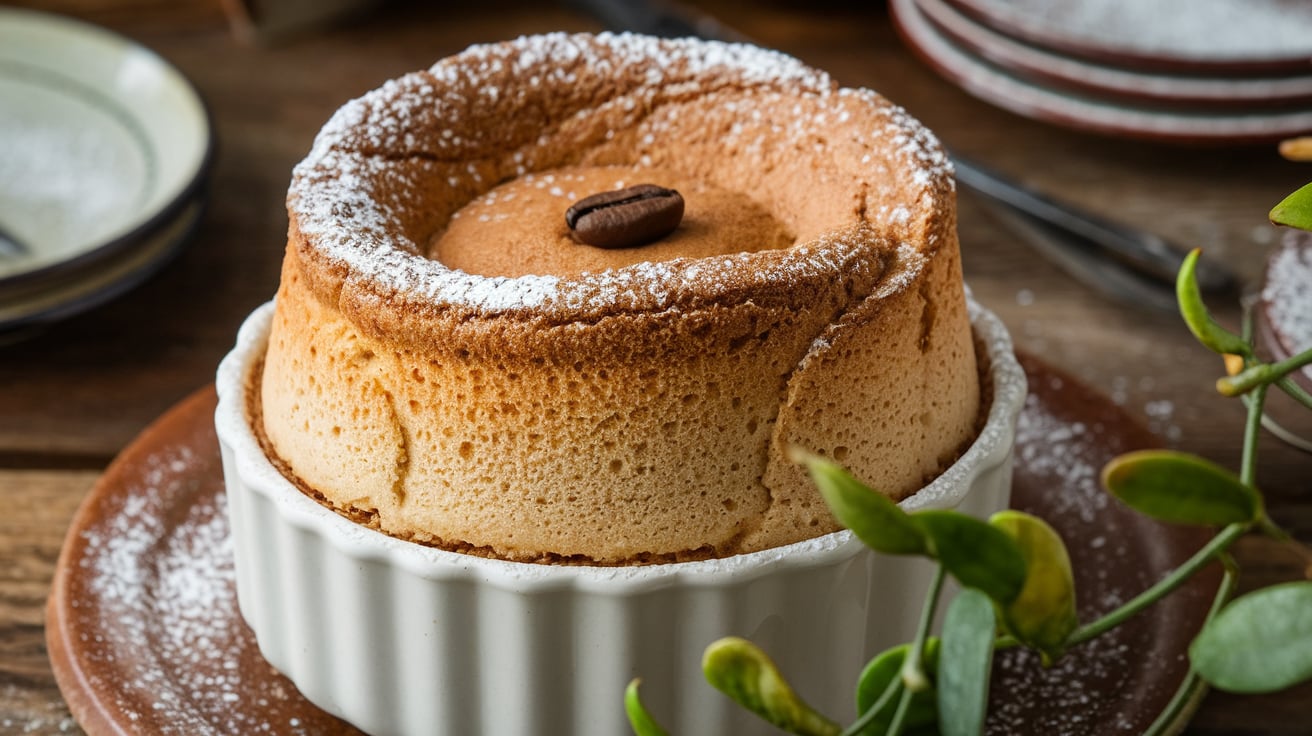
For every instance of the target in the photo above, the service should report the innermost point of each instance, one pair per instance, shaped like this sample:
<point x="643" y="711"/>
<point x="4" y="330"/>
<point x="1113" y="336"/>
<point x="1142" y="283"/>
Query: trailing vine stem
<point x="1192" y="686"/>
<point x="1178" y="576"/>
<point x="911" y="678"/>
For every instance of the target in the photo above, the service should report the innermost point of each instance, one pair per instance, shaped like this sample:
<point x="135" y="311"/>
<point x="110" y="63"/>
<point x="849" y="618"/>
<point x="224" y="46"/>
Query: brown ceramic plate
<point x="1282" y="328"/>
<point x="1041" y="100"/>
<point x="1216" y="37"/>
<point x="1130" y="86"/>
<point x="1283" y="315"/>
<point x="145" y="636"/>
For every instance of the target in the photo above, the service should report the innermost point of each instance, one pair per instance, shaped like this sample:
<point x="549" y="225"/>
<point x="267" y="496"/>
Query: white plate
<point x="100" y="140"/>
<point x="1024" y="97"/>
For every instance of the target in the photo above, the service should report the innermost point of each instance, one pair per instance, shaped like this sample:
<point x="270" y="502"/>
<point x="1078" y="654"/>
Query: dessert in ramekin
<point x="481" y="474"/>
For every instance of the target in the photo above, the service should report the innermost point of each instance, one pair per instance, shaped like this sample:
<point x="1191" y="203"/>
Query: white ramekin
<point x="399" y="638"/>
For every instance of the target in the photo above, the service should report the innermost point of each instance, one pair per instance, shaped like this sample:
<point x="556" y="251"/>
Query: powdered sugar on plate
<point x="1064" y="437"/>
<point x="149" y="608"/>
<point x="72" y="175"/>
<point x="1208" y="30"/>
<point x="1287" y="292"/>
<point x="161" y="575"/>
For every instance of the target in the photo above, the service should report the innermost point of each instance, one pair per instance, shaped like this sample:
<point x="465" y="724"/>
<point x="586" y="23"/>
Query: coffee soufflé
<point x="450" y="365"/>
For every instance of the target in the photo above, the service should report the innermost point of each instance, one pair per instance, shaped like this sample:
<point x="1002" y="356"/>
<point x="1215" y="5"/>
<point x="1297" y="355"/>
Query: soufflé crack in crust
<point x="449" y="364"/>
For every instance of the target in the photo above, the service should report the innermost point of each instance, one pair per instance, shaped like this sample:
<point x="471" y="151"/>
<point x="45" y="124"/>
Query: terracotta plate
<point x="1194" y="36"/>
<point x="1282" y="328"/>
<point x="1131" y="86"/>
<point x="999" y="86"/>
<point x="1283" y="315"/>
<point x="145" y="636"/>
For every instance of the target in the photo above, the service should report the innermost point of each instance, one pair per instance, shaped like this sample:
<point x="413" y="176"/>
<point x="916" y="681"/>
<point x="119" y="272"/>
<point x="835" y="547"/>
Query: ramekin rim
<point x="257" y="473"/>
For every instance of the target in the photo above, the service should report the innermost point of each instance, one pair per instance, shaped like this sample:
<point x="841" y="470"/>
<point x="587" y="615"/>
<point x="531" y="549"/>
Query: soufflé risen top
<point x="449" y="365"/>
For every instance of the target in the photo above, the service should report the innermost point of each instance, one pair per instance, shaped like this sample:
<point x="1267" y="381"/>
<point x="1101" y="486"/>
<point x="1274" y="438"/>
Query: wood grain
<point x="39" y="505"/>
<point x="74" y="395"/>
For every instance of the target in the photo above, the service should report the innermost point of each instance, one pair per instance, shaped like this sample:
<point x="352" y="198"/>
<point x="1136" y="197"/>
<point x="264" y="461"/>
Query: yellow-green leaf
<point x="1295" y="210"/>
<point x="975" y="553"/>
<point x="1200" y="322"/>
<point x="1043" y="615"/>
<point x="739" y="669"/>
<point x="1181" y="488"/>
<point x="639" y="719"/>
<point x="878" y="522"/>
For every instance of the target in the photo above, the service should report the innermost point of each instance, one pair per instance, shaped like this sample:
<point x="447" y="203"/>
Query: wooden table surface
<point x="76" y="394"/>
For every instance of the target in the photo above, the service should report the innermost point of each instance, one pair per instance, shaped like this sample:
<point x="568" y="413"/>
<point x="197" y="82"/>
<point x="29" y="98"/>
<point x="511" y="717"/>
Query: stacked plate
<point x="104" y="149"/>
<point x="1191" y="71"/>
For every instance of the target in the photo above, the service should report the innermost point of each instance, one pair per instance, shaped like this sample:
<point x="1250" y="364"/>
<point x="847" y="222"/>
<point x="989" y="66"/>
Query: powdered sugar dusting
<point x="1069" y="688"/>
<point x="1287" y="293"/>
<point x="1196" y="29"/>
<point x="72" y="176"/>
<point x="162" y="601"/>
<point x="1060" y="457"/>
<point x="1071" y="695"/>
<point x="1115" y="682"/>
<point x="422" y="138"/>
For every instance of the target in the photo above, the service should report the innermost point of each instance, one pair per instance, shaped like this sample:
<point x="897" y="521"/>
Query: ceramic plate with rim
<point x="78" y="290"/>
<point x="101" y="140"/>
<point x="1119" y="84"/>
<point x="1061" y="107"/>
<point x="1196" y="36"/>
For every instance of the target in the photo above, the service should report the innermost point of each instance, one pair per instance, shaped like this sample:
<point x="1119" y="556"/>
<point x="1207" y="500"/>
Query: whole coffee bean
<point x="625" y="218"/>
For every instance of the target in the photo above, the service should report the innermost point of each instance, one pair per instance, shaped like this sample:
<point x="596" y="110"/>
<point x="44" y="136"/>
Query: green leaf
<point x="976" y="554"/>
<point x="1043" y="615"/>
<point x="965" y="664"/>
<point x="1295" y="210"/>
<point x="878" y="522"/>
<point x="1181" y="488"/>
<point x="1190" y="298"/>
<point x="880" y="673"/>
<point x="1260" y="643"/>
<point x="739" y="669"/>
<point x="639" y="719"/>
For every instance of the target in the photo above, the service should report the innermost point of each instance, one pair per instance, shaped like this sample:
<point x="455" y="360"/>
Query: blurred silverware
<point x="1084" y="259"/>
<point x="1118" y="260"/>
<point x="1141" y="252"/>
<point x="11" y="246"/>
<point x="656" y="18"/>
<point x="264" y="21"/>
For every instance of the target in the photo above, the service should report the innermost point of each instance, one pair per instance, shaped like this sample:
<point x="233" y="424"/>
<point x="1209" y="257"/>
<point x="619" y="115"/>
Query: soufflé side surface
<point x="448" y="365"/>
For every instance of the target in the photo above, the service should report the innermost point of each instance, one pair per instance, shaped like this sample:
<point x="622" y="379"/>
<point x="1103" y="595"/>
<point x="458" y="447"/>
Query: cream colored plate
<point x="100" y="141"/>
<point x="89" y="287"/>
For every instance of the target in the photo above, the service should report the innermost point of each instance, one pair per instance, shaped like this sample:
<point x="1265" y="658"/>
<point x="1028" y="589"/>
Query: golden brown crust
<point x="636" y="412"/>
